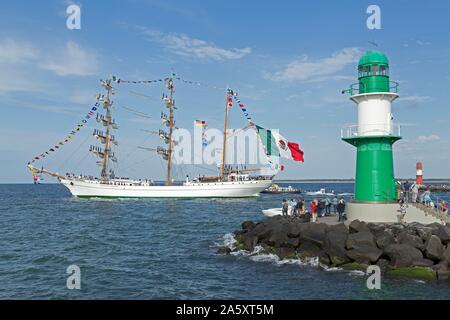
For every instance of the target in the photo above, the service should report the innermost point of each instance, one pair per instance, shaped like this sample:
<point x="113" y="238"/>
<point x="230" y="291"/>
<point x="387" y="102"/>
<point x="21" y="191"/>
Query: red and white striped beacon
<point x="419" y="173"/>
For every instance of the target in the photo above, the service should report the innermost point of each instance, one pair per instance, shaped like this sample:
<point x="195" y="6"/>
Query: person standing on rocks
<point x="313" y="208"/>
<point x="427" y="198"/>
<point x="406" y="187"/>
<point x="415" y="192"/>
<point x="327" y="206"/>
<point x="284" y="207"/>
<point x="301" y="207"/>
<point x="293" y="207"/>
<point x="403" y="206"/>
<point x="340" y="207"/>
<point x="444" y="208"/>
<point x="298" y="207"/>
<point x="398" y="184"/>
<point x="335" y="203"/>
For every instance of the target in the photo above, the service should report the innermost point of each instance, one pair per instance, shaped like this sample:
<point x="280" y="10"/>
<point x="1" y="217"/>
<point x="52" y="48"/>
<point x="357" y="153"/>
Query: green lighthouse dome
<point x="373" y="57"/>
<point x="373" y="72"/>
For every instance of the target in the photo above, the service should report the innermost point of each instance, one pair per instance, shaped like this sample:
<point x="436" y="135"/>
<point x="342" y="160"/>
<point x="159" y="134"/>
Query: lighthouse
<point x="373" y="136"/>
<point x="419" y="174"/>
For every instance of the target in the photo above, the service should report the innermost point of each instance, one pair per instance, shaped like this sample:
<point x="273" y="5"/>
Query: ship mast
<point x="106" y="138"/>
<point x="107" y="123"/>
<point x="224" y="149"/>
<point x="170" y="105"/>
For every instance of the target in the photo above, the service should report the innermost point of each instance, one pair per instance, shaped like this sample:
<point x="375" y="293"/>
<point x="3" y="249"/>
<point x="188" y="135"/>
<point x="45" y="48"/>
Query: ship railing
<point x="382" y="129"/>
<point x="357" y="88"/>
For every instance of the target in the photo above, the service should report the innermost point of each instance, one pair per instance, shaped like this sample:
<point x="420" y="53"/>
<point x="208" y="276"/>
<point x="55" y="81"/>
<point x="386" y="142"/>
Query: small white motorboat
<point x="346" y="194"/>
<point x="321" y="192"/>
<point x="272" y="212"/>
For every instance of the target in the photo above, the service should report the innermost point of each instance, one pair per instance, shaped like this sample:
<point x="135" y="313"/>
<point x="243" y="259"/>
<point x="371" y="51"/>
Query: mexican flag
<point x="276" y="145"/>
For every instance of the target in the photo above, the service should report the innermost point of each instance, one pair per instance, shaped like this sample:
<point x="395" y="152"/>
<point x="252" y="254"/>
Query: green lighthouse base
<point x="374" y="182"/>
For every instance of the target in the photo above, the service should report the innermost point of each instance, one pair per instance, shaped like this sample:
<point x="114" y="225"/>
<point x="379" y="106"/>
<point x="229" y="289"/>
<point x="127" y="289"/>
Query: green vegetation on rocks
<point x="423" y="273"/>
<point x="355" y="266"/>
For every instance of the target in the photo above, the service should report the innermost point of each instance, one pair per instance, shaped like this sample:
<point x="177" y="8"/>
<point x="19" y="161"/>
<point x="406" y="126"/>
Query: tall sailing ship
<point x="228" y="183"/>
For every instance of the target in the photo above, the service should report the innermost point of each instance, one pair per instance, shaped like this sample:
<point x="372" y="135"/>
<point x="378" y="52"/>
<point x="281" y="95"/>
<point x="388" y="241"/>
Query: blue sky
<point x="288" y="59"/>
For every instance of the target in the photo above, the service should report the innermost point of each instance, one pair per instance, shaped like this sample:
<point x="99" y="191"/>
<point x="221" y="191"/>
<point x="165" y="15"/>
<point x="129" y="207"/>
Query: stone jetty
<point x="412" y="250"/>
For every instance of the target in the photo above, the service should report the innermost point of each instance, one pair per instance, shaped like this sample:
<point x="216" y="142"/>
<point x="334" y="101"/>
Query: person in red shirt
<point x="313" y="208"/>
<point x="444" y="208"/>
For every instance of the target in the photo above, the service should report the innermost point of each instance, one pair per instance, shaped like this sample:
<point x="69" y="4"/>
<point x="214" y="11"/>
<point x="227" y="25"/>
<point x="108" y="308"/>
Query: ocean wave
<point x="259" y="254"/>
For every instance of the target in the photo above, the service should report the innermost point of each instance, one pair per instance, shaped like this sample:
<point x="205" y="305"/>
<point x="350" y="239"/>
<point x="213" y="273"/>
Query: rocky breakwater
<point x="412" y="250"/>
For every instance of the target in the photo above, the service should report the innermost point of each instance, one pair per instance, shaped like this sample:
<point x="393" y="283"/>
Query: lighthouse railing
<point x="357" y="88"/>
<point x="375" y="129"/>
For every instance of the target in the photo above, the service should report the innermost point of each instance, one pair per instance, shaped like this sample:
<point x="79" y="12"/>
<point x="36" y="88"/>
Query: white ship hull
<point x="94" y="189"/>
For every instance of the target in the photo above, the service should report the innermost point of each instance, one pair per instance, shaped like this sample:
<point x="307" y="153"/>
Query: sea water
<point x="161" y="249"/>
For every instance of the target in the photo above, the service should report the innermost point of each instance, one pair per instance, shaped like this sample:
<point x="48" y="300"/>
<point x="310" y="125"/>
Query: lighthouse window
<point x="375" y="70"/>
<point x="364" y="71"/>
<point x="384" y="70"/>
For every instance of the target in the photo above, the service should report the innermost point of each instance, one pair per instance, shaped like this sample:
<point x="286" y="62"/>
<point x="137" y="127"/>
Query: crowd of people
<point x="317" y="208"/>
<point x="411" y="192"/>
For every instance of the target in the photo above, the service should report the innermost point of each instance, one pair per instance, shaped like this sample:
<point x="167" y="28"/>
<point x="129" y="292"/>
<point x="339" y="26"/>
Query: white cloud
<point x="82" y="96"/>
<point x="183" y="45"/>
<point x="21" y="61"/>
<point x="306" y="69"/>
<point x="422" y="43"/>
<point x="12" y="51"/>
<point x="413" y="102"/>
<point x="72" y="60"/>
<point x="13" y="80"/>
<point x="416" y="99"/>
<point x="143" y="121"/>
<point x="430" y="138"/>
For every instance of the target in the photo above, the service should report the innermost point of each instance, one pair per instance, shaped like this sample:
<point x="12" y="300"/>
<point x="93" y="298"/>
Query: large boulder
<point x="402" y="255"/>
<point x="285" y="253"/>
<point x="270" y="231"/>
<point x="335" y="244"/>
<point x="315" y="234"/>
<point x="434" y="249"/>
<point x="446" y="254"/>
<point x="261" y="231"/>
<point x="292" y="242"/>
<point x="358" y="226"/>
<point x="362" y="238"/>
<point x="364" y="254"/>
<point x="249" y="242"/>
<point x="443" y="233"/>
<point x="383" y="264"/>
<point x="340" y="228"/>
<point x="423" y="232"/>
<point x="309" y="250"/>
<point x="295" y="228"/>
<point x="396" y="228"/>
<point x="376" y="228"/>
<point x="441" y="270"/>
<point x="406" y="237"/>
<point x="277" y="238"/>
<point x="422" y="263"/>
<point x="248" y="225"/>
<point x="384" y="239"/>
